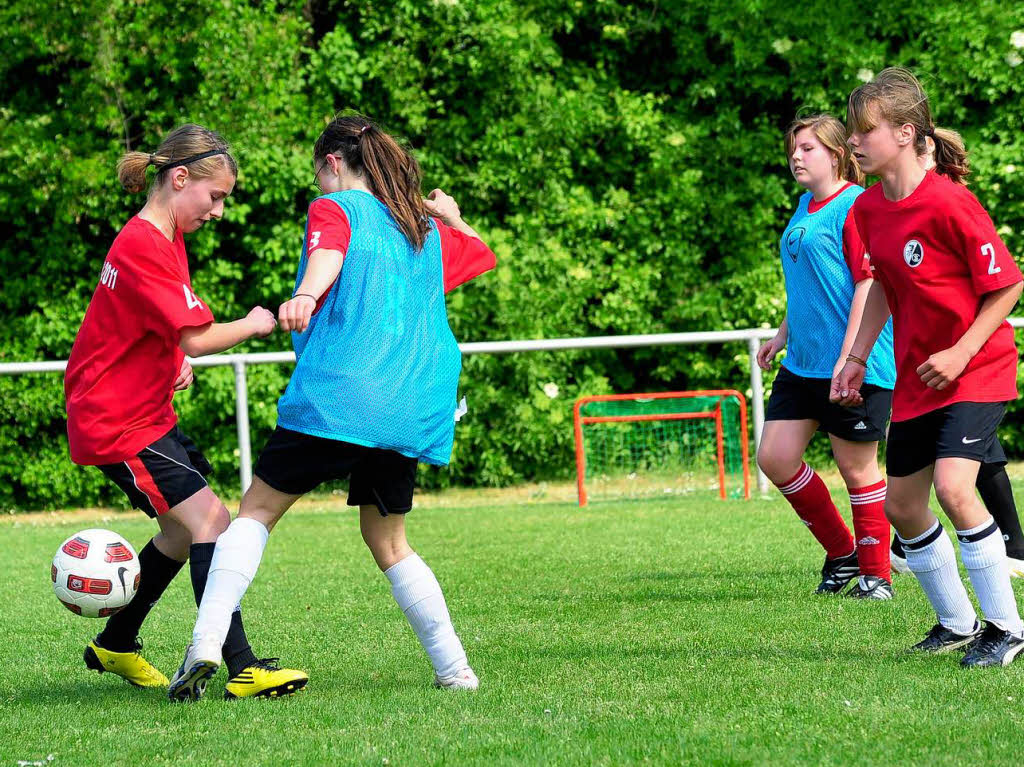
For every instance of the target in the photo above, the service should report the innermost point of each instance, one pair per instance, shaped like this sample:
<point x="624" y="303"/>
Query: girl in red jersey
<point x="993" y="482"/>
<point x="827" y="281"/>
<point x="126" y="363"/>
<point x="949" y="282"/>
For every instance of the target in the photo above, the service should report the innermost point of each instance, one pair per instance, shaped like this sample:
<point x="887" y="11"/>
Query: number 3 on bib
<point x="988" y="250"/>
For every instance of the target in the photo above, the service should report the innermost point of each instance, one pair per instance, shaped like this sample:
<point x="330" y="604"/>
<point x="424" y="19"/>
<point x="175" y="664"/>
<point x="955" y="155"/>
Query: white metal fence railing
<point x="238" y="362"/>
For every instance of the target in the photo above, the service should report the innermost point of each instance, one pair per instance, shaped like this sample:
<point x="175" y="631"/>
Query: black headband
<point x="189" y="160"/>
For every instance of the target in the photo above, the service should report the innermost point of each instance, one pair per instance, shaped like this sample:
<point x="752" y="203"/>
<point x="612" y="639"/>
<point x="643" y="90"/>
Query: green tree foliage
<point x="623" y="159"/>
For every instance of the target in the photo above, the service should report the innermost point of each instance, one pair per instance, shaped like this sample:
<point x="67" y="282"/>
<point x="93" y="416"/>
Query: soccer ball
<point x="95" y="573"/>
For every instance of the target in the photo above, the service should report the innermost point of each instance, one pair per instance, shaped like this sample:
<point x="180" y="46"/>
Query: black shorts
<point x="161" y="475"/>
<point x="795" y="398"/>
<point x="295" y="463"/>
<point x="960" y="430"/>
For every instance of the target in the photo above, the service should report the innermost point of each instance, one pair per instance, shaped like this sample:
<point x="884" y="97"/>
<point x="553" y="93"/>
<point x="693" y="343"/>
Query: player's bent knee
<point x="953" y="497"/>
<point x="900" y="515"/>
<point x="778" y="471"/>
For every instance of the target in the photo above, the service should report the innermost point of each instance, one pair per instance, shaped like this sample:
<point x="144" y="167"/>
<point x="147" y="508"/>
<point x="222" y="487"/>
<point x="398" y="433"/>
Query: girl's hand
<point x="942" y="368"/>
<point x="185" y="377"/>
<point x="769" y="349"/>
<point x="261" y="321"/>
<point x="296" y="312"/>
<point x="442" y="206"/>
<point x="846" y="386"/>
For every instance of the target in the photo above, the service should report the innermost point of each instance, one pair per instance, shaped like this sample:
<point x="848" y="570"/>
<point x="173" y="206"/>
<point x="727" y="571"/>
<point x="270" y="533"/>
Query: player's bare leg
<point x="780" y="456"/>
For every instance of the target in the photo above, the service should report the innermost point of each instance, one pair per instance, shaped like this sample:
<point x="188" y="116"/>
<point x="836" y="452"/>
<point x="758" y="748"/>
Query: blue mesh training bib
<point x="378" y="364"/>
<point x="819" y="292"/>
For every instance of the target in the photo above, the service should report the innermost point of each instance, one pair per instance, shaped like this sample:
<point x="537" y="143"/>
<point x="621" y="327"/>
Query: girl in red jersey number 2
<point x="949" y="282"/>
<point x="126" y="363"/>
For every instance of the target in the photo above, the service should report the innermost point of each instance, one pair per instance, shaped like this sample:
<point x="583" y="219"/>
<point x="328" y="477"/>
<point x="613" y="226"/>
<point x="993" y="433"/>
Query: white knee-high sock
<point x="418" y="593"/>
<point x="932" y="559"/>
<point x="235" y="561"/>
<point x="984" y="554"/>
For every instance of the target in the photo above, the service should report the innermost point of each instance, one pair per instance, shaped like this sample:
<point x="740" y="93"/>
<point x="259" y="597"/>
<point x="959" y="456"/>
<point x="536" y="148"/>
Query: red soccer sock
<point x="872" y="529"/>
<point x="810" y="499"/>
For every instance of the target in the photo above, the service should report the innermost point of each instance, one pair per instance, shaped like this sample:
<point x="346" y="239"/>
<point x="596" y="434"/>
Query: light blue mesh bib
<point x="819" y="291"/>
<point x="378" y="364"/>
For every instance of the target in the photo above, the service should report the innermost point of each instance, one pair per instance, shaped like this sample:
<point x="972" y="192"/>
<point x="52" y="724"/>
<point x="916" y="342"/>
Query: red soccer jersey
<point x="120" y="376"/>
<point x="463" y="257"/>
<point x="937" y="254"/>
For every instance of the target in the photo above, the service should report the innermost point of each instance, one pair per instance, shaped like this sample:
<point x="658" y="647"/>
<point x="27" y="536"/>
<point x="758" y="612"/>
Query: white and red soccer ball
<point x="95" y="573"/>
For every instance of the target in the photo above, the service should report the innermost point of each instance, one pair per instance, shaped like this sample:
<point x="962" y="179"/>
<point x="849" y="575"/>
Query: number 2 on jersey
<point x="988" y="250"/>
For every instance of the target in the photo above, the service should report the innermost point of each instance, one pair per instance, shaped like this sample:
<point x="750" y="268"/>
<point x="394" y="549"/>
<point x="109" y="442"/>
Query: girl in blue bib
<point x="374" y="387"/>
<point x="827" y="277"/>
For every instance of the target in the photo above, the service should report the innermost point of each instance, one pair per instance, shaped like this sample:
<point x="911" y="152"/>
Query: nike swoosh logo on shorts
<point x="971" y="441"/>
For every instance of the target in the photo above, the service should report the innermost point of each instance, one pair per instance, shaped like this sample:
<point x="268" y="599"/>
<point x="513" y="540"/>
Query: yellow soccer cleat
<point x="130" y="666"/>
<point x="265" y="679"/>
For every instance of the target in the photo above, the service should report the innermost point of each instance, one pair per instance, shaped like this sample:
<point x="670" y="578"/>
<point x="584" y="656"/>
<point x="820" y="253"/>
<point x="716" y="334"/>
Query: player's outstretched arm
<point x="219" y="336"/>
<point x="942" y="368"/>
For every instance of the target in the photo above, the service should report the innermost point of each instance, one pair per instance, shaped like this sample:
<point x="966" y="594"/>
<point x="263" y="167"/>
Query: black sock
<point x="994" y="487"/>
<point x="897" y="547"/>
<point x="237" y="652"/>
<point x="156" y="571"/>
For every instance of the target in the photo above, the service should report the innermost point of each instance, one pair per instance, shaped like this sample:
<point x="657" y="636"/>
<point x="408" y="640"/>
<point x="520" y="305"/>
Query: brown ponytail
<point x="951" y="155"/>
<point x="390" y="171"/>
<point x="896" y="96"/>
<point x="831" y="133"/>
<point x="204" y="152"/>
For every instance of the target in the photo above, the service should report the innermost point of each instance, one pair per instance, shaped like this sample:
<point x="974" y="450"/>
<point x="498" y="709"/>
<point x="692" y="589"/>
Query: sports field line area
<point x="662" y="632"/>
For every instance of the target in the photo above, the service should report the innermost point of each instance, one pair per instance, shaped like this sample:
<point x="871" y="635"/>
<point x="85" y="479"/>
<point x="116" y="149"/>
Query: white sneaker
<point x="189" y="681"/>
<point x="899" y="564"/>
<point x="464" y="680"/>
<point x="1016" y="567"/>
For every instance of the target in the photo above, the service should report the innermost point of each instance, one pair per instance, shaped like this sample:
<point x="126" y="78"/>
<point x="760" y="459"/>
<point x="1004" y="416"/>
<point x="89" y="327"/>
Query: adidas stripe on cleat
<point x="871" y="587"/>
<point x="265" y="679"/>
<point x="836" y="573"/>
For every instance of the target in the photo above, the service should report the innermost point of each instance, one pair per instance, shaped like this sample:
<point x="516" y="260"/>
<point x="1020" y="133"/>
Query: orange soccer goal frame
<point x="715" y="414"/>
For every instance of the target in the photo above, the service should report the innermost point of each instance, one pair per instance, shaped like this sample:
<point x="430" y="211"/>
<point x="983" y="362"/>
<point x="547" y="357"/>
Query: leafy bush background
<point x="623" y="159"/>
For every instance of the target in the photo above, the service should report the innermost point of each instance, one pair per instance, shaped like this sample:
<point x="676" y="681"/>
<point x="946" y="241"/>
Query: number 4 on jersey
<point x="988" y="250"/>
<point x="190" y="298"/>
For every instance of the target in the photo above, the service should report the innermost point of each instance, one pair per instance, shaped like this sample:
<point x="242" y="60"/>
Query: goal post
<point x="662" y="443"/>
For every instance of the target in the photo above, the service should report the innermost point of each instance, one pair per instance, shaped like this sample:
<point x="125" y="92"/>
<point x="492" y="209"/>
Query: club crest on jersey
<point x="913" y="253"/>
<point x="794" y="237"/>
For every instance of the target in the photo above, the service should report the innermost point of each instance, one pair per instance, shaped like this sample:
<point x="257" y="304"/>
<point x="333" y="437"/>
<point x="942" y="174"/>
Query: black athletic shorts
<point x="295" y="463"/>
<point x="795" y="398"/>
<point x="161" y="475"/>
<point x="960" y="430"/>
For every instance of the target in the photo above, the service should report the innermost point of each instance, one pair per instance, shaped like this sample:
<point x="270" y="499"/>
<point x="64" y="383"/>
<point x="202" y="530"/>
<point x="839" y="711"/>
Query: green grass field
<point x="677" y="632"/>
